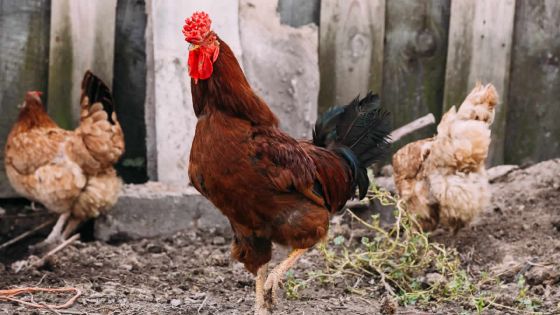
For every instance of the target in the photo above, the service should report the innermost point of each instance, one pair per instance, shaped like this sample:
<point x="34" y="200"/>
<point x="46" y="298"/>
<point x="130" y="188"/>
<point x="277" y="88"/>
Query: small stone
<point x="525" y="227"/>
<point x="219" y="240"/>
<point x="542" y="275"/>
<point x="387" y="170"/>
<point x="538" y="290"/>
<point x="127" y="267"/>
<point x="175" y="302"/>
<point x="154" y="248"/>
<point x="388" y="306"/>
<point x="2" y="211"/>
<point x="434" y="278"/>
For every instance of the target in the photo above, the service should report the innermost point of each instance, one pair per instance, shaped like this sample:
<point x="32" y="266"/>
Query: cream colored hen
<point x="442" y="180"/>
<point x="70" y="172"/>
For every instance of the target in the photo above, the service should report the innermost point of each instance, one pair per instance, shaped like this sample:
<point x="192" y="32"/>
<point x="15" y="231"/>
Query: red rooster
<point x="271" y="187"/>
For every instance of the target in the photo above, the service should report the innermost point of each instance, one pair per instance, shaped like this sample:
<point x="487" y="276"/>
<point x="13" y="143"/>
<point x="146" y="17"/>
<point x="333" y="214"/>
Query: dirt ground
<point x="191" y="272"/>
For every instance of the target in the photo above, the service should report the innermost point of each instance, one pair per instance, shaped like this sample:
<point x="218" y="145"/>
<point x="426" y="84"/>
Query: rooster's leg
<point x="70" y="227"/>
<point x="260" y="307"/>
<point x="275" y="276"/>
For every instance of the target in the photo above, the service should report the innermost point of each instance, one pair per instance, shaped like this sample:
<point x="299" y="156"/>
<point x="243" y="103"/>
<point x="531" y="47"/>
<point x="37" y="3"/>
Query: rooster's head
<point x="205" y="46"/>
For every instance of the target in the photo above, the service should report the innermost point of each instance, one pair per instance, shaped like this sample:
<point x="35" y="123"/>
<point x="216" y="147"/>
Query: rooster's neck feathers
<point x="227" y="90"/>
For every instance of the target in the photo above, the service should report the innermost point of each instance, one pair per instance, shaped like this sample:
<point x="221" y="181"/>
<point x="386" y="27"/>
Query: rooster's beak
<point x="20" y="106"/>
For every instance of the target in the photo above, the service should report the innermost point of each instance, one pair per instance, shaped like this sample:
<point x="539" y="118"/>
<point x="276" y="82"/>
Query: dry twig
<point x="419" y="123"/>
<point x="10" y="295"/>
<point x="60" y="247"/>
<point x="26" y="234"/>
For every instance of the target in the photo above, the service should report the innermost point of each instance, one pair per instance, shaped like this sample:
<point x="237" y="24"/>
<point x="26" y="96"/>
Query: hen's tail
<point x="96" y="92"/>
<point x="99" y="128"/>
<point x="358" y="132"/>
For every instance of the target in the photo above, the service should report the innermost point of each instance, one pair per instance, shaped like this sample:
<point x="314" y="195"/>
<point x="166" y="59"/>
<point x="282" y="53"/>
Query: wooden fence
<point x="421" y="56"/>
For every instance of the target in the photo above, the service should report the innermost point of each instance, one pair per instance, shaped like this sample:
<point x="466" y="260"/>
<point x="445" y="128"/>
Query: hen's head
<point x="204" y="48"/>
<point x="480" y="104"/>
<point x="32" y="99"/>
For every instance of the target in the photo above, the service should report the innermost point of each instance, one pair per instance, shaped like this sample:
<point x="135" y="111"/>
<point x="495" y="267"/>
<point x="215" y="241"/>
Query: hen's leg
<point x="54" y="237"/>
<point x="275" y="276"/>
<point x="56" y="232"/>
<point x="70" y="227"/>
<point x="260" y="307"/>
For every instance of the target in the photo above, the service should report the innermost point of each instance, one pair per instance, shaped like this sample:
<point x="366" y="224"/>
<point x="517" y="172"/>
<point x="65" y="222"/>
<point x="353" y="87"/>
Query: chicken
<point x="271" y="187"/>
<point x="70" y="172"/>
<point x="442" y="180"/>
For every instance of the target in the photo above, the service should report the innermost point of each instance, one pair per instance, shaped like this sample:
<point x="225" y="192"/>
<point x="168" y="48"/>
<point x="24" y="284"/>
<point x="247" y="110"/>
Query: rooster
<point x="70" y="172"/>
<point x="271" y="187"/>
<point x="442" y="180"/>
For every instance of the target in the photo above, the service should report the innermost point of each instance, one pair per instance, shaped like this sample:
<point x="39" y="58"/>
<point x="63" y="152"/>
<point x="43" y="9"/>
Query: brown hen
<point x="443" y="179"/>
<point x="70" y="172"/>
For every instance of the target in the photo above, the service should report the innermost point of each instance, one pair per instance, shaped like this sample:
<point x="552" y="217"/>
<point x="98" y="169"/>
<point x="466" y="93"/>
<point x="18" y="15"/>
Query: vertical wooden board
<point x="24" y="47"/>
<point x="488" y="26"/>
<point x="458" y="53"/>
<point x="169" y="115"/>
<point x="533" y="131"/>
<point x="82" y="38"/>
<point x="129" y="86"/>
<point x="281" y="62"/>
<point x="350" y="49"/>
<point x="298" y="13"/>
<point x="490" y="61"/>
<point x="416" y="35"/>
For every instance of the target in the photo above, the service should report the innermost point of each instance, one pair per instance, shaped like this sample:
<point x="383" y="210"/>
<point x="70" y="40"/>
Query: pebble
<point x="219" y="240"/>
<point x="2" y="211"/>
<point x="175" y="302"/>
<point x="154" y="248"/>
<point x="542" y="274"/>
<point x="433" y="278"/>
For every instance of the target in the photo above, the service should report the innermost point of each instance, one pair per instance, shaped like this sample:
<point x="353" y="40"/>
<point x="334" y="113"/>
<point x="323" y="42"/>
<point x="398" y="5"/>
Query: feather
<point x="325" y="127"/>
<point x="98" y="92"/>
<point x="358" y="132"/>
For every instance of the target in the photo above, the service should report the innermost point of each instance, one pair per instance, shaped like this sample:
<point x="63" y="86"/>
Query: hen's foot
<point x="45" y="246"/>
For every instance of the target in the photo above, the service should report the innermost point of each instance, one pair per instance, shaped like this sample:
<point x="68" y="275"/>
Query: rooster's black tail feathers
<point x="358" y="132"/>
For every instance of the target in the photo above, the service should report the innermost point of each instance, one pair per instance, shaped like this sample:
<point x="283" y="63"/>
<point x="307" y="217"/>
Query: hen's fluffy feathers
<point x="67" y="170"/>
<point x="443" y="179"/>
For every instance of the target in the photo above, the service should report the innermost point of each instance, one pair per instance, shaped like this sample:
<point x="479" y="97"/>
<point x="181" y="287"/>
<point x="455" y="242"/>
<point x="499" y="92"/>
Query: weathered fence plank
<point x="351" y="49"/>
<point x="82" y="38"/>
<point x="281" y="61"/>
<point x="533" y="131"/>
<point x="415" y="53"/>
<point x="129" y="86"/>
<point x="480" y="40"/>
<point x="24" y="54"/>
<point x="298" y="13"/>
<point x="169" y="115"/>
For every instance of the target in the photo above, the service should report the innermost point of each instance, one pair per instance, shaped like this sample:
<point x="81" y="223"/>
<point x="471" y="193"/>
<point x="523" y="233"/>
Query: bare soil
<point x="191" y="272"/>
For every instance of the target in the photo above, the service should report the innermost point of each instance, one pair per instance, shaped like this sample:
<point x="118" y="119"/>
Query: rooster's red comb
<point x="197" y="27"/>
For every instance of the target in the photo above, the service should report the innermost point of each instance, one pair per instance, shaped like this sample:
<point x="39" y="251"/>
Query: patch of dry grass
<point x="402" y="262"/>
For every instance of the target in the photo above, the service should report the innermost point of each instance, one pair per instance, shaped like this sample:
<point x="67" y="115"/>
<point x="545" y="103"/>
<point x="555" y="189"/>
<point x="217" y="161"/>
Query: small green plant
<point x="523" y="300"/>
